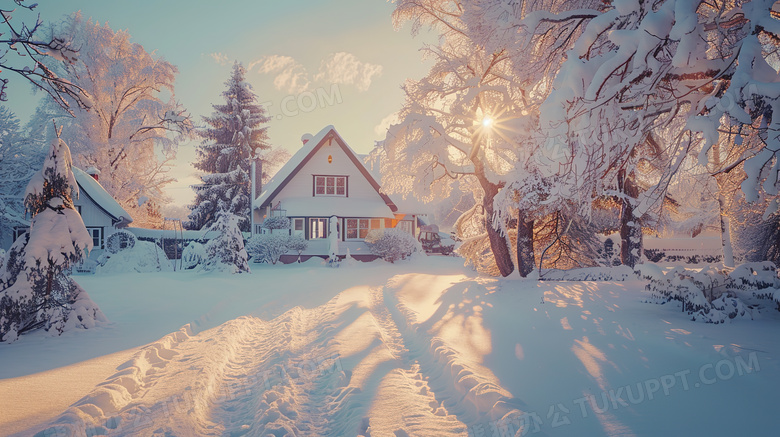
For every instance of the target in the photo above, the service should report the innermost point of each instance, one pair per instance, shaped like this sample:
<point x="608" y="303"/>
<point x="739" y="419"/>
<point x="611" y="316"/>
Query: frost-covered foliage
<point x="36" y="289"/>
<point x="276" y="223"/>
<point x="760" y="278"/>
<point x="706" y="294"/>
<point x="268" y="248"/>
<point x="193" y="255"/>
<point x="133" y="125"/>
<point x="120" y="240"/>
<point x="31" y="50"/>
<point x="20" y="156"/>
<point x="225" y="251"/>
<point x="232" y="137"/>
<point x="392" y="244"/>
<point x="142" y="257"/>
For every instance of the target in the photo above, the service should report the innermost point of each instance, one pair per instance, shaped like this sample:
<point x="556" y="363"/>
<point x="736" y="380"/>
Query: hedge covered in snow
<point x="268" y="248"/>
<point x="709" y="294"/>
<point x="392" y="244"/>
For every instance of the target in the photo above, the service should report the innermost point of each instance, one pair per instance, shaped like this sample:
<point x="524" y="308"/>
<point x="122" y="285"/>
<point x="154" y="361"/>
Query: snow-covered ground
<point x="421" y="347"/>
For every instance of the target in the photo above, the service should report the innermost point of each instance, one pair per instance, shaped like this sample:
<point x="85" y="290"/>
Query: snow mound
<point x="143" y="257"/>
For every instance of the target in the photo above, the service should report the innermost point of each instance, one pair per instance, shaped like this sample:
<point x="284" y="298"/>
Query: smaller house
<point x="330" y="199"/>
<point x="101" y="213"/>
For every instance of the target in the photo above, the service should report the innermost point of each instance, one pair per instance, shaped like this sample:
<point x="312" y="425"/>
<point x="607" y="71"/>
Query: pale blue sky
<point x="349" y="44"/>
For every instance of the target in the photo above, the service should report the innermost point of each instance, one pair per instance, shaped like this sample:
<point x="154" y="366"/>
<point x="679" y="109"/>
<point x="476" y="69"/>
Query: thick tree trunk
<point x="498" y="243"/>
<point x="725" y="233"/>
<point x="525" y="245"/>
<point x="630" y="227"/>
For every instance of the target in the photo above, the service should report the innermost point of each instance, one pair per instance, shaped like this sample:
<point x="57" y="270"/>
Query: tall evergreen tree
<point x="233" y="135"/>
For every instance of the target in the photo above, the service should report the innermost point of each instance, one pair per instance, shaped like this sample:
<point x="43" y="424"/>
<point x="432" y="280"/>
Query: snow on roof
<point x="100" y="196"/>
<point x="340" y="206"/>
<point x="284" y="174"/>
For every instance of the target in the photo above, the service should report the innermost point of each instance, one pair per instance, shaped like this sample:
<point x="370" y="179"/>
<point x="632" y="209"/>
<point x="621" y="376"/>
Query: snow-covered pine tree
<point x="37" y="291"/>
<point x="234" y="134"/>
<point x="225" y="252"/>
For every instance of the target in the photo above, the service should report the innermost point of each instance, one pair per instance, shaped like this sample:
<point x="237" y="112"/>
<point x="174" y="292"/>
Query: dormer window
<point x="330" y="186"/>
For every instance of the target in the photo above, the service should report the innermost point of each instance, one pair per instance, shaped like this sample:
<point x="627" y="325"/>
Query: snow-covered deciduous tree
<point x="234" y="135"/>
<point x="24" y="40"/>
<point x="37" y="291"/>
<point x="225" y="251"/>
<point x="640" y="68"/>
<point x="133" y="125"/>
<point x="462" y="120"/>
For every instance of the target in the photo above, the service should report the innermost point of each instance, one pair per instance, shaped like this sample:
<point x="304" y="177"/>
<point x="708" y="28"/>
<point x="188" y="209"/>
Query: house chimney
<point x="95" y="173"/>
<point x="305" y="138"/>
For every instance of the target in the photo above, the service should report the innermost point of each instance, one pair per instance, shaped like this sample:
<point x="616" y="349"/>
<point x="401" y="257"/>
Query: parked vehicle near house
<point x="434" y="241"/>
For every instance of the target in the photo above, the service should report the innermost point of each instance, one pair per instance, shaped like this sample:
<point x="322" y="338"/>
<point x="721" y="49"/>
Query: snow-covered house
<point x="330" y="199"/>
<point x="101" y="213"/>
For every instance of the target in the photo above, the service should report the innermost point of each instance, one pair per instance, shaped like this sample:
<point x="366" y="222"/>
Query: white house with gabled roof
<point x="325" y="188"/>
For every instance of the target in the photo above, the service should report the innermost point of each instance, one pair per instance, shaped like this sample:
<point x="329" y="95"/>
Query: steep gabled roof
<point x="303" y="155"/>
<point x="106" y="202"/>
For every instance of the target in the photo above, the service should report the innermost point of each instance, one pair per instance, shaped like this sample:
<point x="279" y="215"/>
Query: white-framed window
<point x="318" y="228"/>
<point x="97" y="237"/>
<point x="357" y="228"/>
<point x="78" y="208"/>
<point x="298" y="226"/>
<point x="333" y="186"/>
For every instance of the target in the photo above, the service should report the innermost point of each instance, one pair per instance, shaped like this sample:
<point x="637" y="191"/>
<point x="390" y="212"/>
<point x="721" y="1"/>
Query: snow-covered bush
<point x="226" y="251"/>
<point x="704" y="294"/>
<point x="391" y="244"/>
<point x="276" y="223"/>
<point x="760" y="277"/>
<point x="143" y="257"/>
<point x="193" y="255"/>
<point x="120" y="240"/>
<point x="36" y="290"/>
<point x="270" y="247"/>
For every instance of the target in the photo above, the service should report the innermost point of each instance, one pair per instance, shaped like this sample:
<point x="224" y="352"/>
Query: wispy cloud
<point x="381" y="129"/>
<point x="290" y="75"/>
<point x="338" y="68"/>
<point x="219" y="58"/>
<point x="345" y="68"/>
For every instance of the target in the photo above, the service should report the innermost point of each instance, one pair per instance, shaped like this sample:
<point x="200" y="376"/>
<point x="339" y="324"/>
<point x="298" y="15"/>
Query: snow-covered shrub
<point x="193" y="255"/>
<point x="759" y="277"/>
<point x="276" y="223"/>
<point x="391" y="244"/>
<point x="617" y="273"/>
<point x="36" y="290"/>
<point x="297" y="243"/>
<point x="703" y="294"/>
<point x="120" y="240"/>
<point x="269" y="248"/>
<point x="226" y="251"/>
<point x="143" y="257"/>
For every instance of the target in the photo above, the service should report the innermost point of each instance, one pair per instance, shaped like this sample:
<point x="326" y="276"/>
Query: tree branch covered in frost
<point x="30" y="61"/>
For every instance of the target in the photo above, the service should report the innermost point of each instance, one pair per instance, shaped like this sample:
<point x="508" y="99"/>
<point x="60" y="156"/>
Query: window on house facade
<point x="97" y="237"/>
<point x="78" y="208"/>
<point x="358" y="228"/>
<point x="318" y="228"/>
<point x="19" y="230"/>
<point x="330" y="186"/>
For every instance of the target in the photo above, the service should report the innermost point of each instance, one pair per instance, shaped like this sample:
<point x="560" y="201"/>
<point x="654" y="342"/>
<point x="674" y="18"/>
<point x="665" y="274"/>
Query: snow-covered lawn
<point x="422" y="347"/>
